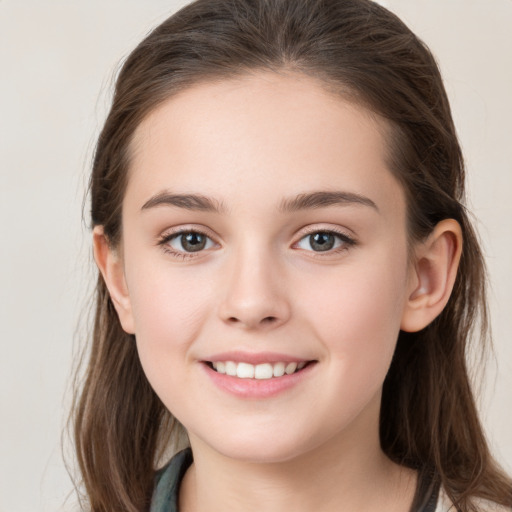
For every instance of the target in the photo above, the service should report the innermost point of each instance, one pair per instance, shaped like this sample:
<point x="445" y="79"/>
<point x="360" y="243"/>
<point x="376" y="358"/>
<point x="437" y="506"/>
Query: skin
<point x="252" y="145"/>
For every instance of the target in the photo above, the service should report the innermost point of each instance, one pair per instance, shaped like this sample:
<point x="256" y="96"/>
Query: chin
<point x="275" y="447"/>
<point x="262" y="455"/>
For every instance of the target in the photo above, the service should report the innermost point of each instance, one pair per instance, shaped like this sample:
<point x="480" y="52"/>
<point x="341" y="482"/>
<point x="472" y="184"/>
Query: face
<point x="264" y="256"/>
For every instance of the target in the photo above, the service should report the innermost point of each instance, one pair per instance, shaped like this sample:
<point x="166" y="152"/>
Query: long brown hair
<point x="365" y="53"/>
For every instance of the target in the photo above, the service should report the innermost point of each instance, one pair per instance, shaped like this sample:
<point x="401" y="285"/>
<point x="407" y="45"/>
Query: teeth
<point x="259" y="371"/>
<point x="263" y="371"/>
<point x="230" y="368"/>
<point x="245" y="371"/>
<point x="279" y="369"/>
<point x="290" y="368"/>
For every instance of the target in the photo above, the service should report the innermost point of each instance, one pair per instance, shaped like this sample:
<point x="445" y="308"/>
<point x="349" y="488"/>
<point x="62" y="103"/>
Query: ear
<point x="433" y="274"/>
<point x="110" y="264"/>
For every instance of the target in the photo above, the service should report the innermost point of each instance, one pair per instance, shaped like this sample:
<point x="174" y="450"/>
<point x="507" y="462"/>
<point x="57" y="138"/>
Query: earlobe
<point x="110" y="265"/>
<point x="433" y="275"/>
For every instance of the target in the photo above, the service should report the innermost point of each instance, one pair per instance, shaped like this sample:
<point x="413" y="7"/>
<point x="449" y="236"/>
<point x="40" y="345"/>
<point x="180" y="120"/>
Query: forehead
<point x="260" y="134"/>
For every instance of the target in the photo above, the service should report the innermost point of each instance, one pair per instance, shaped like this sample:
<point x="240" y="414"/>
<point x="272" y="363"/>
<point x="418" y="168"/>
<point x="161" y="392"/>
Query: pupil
<point x="321" y="241"/>
<point x="193" y="242"/>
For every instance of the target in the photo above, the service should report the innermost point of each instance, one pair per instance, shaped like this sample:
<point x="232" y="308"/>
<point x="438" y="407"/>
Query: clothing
<point x="168" y="480"/>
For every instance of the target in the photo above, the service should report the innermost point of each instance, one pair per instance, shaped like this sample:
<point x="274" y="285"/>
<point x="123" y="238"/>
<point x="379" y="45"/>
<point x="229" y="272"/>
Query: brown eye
<point x="323" y="241"/>
<point x="190" y="242"/>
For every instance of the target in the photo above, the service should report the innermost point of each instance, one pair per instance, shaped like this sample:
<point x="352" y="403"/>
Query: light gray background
<point x="57" y="59"/>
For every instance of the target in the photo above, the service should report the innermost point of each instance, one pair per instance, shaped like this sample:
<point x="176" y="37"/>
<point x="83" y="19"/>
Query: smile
<point x="257" y="371"/>
<point x="266" y="375"/>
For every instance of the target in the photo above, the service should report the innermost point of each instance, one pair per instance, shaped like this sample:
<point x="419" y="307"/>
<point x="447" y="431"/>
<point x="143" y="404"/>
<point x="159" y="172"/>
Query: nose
<point x="254" y="295"/>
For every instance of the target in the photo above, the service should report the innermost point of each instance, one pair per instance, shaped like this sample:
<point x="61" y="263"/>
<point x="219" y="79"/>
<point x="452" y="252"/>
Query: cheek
<point x="169" y="311"/>
<point x="357" y="316"/>
<point x="169" y="307"/>
<point x="358" y="310"/>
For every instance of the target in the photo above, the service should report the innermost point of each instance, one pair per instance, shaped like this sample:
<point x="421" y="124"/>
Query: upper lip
<point x="255" y="357"/>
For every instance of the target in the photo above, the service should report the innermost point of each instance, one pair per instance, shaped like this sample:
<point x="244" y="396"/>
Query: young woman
<point x="288" y="276"/>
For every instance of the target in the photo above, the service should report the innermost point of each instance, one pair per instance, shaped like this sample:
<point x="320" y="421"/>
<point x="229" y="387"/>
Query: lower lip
<point x="257" y="388"/>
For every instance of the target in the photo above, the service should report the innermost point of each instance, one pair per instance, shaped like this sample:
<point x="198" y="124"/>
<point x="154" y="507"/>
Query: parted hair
<point x="363" y="52"/>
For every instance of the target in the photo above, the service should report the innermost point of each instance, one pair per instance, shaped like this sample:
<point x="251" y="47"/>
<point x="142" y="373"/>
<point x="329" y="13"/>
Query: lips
<point x="261" y="375"/>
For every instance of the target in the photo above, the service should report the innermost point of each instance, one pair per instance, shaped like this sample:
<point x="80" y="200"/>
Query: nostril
<point x="266" y="320"/>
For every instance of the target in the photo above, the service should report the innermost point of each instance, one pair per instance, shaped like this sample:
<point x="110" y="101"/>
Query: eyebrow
<point x="193" y="202"/>
<point x="323" y="199"/>
<point x="307" y="201"/>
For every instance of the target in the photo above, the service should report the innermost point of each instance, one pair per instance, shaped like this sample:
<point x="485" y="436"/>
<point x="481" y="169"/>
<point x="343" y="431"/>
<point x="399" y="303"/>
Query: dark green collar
<point x="167" y="482"/>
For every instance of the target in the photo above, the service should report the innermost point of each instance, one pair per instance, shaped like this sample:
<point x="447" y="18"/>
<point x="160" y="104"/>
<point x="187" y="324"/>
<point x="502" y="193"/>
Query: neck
<point x="349" y="472"/>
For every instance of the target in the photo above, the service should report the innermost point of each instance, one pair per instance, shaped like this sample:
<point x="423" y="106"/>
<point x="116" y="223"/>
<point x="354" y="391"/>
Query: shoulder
<point x="445" y="505"/>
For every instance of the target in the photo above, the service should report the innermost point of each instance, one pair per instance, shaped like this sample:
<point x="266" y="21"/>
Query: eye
<point x="188" y="242"/>
<point x="323" y="241"/>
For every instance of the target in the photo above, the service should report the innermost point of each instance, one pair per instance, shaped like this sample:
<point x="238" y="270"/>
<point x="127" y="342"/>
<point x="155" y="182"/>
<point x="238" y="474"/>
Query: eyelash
<point x="346" y="242"/>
